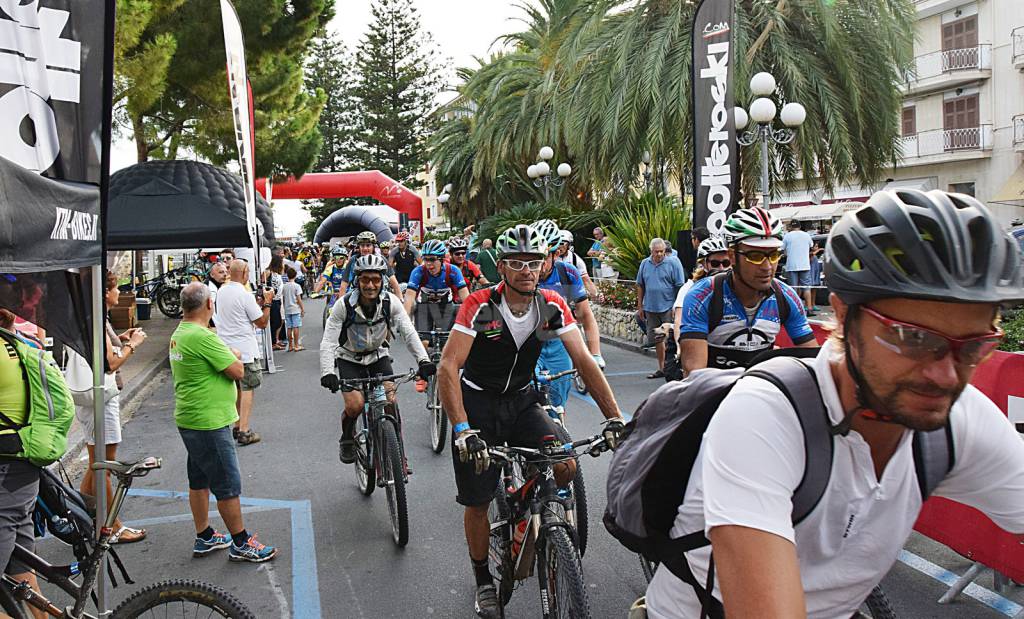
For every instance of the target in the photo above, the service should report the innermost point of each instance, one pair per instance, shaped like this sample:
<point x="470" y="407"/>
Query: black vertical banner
<point x="715" y="169"/>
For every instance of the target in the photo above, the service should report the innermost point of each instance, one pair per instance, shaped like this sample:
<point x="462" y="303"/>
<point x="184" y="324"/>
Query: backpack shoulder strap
<point x="717" y="304"/>
<point x="448" y="274"/>
<point x="781" y="301"/>
<point x="350" y="317"/>
<point x="386" y="309"/>
<point x="934" y="458"/>
<point x="796" y="380"/>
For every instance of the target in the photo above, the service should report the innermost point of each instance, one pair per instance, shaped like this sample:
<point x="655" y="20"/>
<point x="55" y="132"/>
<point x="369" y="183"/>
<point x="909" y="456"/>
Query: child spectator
<point x="291" y="294"/>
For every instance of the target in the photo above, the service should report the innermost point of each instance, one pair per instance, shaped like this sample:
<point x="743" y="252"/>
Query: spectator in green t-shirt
<point x="487" y="259"/>
<point x="205" y="371"/>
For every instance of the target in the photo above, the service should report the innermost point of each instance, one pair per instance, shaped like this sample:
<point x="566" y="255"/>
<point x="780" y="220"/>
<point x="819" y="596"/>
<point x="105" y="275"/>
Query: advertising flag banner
<point x="241" y="109"/>
<point x="53" y="111"/>
<point x="715" y="162"/>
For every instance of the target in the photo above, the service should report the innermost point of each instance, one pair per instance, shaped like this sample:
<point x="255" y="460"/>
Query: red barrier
<point x="962" y="528"/>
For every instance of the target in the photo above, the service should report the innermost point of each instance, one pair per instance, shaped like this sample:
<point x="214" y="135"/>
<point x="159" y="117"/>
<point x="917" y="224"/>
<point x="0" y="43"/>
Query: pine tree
<point x="398" y="78"/>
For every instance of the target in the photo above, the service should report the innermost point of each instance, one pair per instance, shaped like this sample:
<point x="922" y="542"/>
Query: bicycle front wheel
<point x="648" y="567"/>
<point x="581" y="386"/>
<point x="182" y="598"/>
<point x="438" y="418"/>
<point x="567" y="593"/>
<point x="500" y="546"/>
<point x="394" y="482"/>
<point x="168" y="302"/>
<point x="366" y="473"/>
<point x="877" y="606"/>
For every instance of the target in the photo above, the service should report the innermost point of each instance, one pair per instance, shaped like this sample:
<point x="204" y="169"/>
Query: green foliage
<point x="617" y="293"/>
<point x="173" y="84"/>
<point x="1013" y="326"/>
<point x="397" y="78"/>
<point x="632" y="228"/>
<point x="527" y="213"/>
<point x="329" y="70"/>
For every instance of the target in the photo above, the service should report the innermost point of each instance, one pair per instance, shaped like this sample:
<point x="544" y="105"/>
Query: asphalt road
<point x="336" y="556"/>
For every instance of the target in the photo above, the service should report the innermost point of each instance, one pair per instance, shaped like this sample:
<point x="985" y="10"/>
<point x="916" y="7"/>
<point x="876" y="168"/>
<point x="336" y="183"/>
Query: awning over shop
<point x="1012" y="192"/>
<point x="818" y="211"/>
<point x="784" y="213"/>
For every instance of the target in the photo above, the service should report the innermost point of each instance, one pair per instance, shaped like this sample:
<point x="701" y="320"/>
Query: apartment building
<point x="963" y="111"/>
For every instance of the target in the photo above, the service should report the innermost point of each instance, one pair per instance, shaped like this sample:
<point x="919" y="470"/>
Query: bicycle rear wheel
<point x="168" y="301"/>
<point x="438" y="418"/>
<point x="394" y="482"/>
<point x="182" y="598"/>
<point x="366" y="474"/>
<point x="567" y="593"/>
<point x="877" y="606"/>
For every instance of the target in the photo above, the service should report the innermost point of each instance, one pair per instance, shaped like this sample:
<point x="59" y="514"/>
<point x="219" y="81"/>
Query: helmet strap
<point x="863" y="392"/>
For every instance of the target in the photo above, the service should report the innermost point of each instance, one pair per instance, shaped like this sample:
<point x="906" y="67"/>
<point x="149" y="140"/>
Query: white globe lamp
<point x="740" y="116"/>
<point x="532" y="171"/>
<point x="793" y="115"/>
<point x="646" y="157"/>
<point x="762" y="111"/>
<point x="564" y="169"/>
<point x="762" y="84"/>
<point x="543" y="169"/>
<point x="546" y="152"/>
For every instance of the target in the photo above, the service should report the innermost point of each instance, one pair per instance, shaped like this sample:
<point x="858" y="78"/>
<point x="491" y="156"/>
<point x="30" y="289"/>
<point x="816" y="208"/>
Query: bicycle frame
<point x="375" y="412"/>
<point x="60" y="575"/>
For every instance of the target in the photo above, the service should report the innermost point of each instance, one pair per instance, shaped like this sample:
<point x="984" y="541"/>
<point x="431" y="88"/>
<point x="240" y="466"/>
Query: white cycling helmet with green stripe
<point x="521" y="239"/>
<point x="754" y="227"/>
<point x="550" y="231"/>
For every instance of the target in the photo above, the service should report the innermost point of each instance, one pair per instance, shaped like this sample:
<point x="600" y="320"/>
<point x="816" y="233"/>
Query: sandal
<point x="128" y="535"/>
<point x="300" y="348"/>
<point x="658" y="374"/>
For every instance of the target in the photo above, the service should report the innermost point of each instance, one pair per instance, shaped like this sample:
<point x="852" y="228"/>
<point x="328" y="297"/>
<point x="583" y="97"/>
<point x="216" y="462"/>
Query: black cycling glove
<point x="330" y="381"/>
<point x="427" y="369"/>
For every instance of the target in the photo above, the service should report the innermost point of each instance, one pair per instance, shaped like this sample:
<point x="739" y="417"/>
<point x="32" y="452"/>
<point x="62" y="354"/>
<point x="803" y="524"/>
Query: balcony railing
<point x="939" y="141"/>
<point x="1018" y="46"/>
<point x="1018" y="131"/>
<point x="952" y="60"/>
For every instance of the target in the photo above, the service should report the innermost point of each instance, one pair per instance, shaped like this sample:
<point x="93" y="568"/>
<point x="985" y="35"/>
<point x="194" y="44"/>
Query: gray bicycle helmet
<point x="366" y="237"/>
<point x="371" y="262"/>
<point x="916" y="245"/>
<point x="711" y="245"/>
<point x="521" y="239"/>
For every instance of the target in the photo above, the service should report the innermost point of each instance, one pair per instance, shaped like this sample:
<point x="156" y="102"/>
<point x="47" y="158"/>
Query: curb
<point x="626" y="345"/>
<point x="76" y="442"/>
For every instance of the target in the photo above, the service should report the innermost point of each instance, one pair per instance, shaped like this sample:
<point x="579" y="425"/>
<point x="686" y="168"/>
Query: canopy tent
<point x="352" y="220"/>
<point x="179" y="205"/>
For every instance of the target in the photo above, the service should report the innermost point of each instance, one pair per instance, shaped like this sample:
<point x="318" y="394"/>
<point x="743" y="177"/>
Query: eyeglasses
<point x="519" y="265"/>
<point x="458" y="253"/>
<point x="922" y="344"/>
<point x="430" y="258"/>
<point x="721" y="264"/>
<point x="757" y="258"/>
<point x="374" y="280"/>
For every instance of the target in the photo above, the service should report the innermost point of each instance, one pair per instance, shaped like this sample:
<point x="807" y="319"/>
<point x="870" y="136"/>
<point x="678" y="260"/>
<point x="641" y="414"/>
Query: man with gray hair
<point x="658" y="280"/>
<point x="205" y="371"/>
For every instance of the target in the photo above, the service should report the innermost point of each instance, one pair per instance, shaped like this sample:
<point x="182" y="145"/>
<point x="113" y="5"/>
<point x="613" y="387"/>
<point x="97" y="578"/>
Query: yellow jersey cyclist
<point x="334" y="274"/>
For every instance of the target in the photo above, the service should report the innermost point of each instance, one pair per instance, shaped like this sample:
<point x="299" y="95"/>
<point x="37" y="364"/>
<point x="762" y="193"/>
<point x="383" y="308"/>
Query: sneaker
<point x="347" y="450"/>
<point x="421" y="385"/>
<point x="251" y="551"/>
<point x="218" y="541"/>
<point x="248" y="438"/>
<point x="486" y="602"/>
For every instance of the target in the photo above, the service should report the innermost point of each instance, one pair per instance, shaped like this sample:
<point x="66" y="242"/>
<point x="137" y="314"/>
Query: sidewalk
<point x="138" y="373"/>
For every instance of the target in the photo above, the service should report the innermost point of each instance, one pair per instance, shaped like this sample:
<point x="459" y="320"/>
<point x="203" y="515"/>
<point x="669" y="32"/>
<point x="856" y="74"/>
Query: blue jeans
<point x="555" y="358"/>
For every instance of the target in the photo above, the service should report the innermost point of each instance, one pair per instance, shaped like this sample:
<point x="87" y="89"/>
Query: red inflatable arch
<point x="371" y="183"/>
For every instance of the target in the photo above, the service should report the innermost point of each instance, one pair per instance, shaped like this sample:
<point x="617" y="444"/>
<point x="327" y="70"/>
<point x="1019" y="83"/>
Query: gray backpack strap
<point x="934" y="458"/>
<point x="796" y="380"/>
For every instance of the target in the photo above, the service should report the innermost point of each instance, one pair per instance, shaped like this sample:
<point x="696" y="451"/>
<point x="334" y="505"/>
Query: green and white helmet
<point x="755" y="227"/>
<point x="521" y="239"/>
<point x="550" y="231"/>
<point x="366" y="237"/>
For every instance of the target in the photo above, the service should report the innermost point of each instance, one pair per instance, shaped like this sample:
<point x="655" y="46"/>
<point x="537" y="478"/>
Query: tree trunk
<point x="139" y="133"/>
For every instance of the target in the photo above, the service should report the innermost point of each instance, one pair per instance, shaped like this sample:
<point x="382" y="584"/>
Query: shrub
<point x="619" y="294"/>
<point x="1013" y="325"/>
<point x="632" y="229"/>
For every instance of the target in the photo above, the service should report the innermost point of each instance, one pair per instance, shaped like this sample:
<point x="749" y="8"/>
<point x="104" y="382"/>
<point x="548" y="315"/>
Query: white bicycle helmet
<point x="755" y="227"/>
<point x="521" y="239"/>
<point x="457" y="243"/>
<point x="371" y="262"/>
<point x="550" y="232"/>
<point x="567" y="237"/>
<point x="711" y="245"/>
<point x="366" y="237"/>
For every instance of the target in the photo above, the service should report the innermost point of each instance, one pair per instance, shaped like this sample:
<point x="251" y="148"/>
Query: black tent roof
<point x="352" y="220"/>
<point x="180" y="204"/>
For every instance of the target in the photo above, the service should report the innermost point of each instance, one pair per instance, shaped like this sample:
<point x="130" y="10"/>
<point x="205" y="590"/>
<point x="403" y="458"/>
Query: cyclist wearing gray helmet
<point x="917" y="280"/>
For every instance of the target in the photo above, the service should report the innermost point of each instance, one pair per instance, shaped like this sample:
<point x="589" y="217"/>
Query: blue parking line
<point x="305" y="584"/>
<point x="989" y="598"/>
<point x="147" y="522"/>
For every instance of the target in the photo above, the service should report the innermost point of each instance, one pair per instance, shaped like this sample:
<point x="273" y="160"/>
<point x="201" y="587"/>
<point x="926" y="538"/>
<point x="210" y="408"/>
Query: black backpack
<point x="650" y="470"/>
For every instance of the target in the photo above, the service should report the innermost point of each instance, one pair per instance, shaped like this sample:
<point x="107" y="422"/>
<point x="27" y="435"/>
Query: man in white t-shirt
<point x="238" y="315"/>
<point x="912" y="327"/>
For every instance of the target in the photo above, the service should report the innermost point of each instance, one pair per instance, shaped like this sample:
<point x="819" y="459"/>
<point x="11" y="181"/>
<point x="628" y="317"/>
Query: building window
<point x="960" y="34"/>
<point x="960" y="112"/>
<point x="909" y="124"/>
<point x="965" y="188"/>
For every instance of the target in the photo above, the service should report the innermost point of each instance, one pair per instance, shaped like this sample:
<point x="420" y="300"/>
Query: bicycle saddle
<point x="135" y="469"/>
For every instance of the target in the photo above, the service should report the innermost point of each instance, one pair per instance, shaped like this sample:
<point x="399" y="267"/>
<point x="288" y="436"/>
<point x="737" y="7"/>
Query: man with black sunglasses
<point x="730" y="318"/>
<point x="917" y="280"/>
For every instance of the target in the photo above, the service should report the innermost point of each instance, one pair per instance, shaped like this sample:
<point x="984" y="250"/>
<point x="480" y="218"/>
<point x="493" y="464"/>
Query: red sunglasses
<point x="922" y="344"/>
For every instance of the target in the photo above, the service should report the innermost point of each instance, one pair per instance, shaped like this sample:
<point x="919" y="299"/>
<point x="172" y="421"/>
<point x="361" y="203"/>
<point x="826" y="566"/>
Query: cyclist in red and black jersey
<point x="457" y="248"/>
<point x="495" y="343"/>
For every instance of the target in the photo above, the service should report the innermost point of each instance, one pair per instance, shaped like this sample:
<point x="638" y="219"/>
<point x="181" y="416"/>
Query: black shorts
<point x="349" y="370"/>
<point x="517" y="419"/>
<point x="435" y="316"/>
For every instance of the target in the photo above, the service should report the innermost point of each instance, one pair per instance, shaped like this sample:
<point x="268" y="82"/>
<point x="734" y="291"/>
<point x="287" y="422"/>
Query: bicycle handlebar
<point x="379" y="378"/>
<point x="597" y="446"/>
<point x="545" y="378"/>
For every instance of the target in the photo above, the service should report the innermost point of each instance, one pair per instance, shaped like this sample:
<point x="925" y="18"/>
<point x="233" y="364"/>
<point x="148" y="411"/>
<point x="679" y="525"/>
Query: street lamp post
<point x="540" y="172"/>
<point x="762" y="112"/>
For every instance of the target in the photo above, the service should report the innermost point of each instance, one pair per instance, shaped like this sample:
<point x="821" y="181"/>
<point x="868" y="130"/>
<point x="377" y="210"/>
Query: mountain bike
<point x="169" y="598"/>
<point x="532" y="520"/>
<point x="164" y="290"/>
<point x="578" y="490"/>
<point x="380" y="452"/>
<point x="327" y="292"/>
<point x="438" y="416"/>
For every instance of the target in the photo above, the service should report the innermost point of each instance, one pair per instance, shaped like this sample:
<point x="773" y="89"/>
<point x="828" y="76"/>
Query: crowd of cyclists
<point x="917" y="283"/>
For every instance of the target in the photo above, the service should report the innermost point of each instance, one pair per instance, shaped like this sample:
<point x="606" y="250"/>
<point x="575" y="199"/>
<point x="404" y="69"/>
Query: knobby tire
<point x="579" y="494"/>
<point x="500" y="550"/>
<point x="566" y="590"/>
<point x="878" y="605"/>
<point x="394" y="477"/>
<point x="175" y="594"/>
<point x="168" y="301"/>
<point x="438" y="418"/>
<point x="366" y="472"/>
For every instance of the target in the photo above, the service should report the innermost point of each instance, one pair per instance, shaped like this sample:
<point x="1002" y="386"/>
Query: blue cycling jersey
<point x="741" y="334"/>
<point x="571" y="289"/>
<point x="433" y="288"/>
